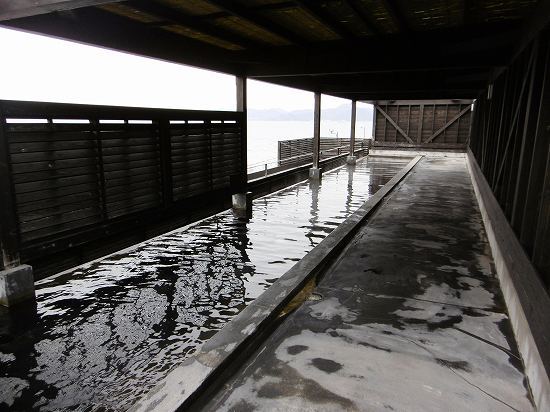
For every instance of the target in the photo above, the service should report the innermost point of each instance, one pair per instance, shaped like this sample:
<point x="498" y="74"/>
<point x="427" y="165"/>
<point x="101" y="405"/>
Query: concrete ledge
<point x="16" y="285"/>
<point x="412" y="152"/>
<point x="525" y="295"/>
<point x="218" y="356"/>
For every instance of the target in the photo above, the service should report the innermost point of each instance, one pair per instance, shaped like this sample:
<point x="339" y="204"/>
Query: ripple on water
<point x="105" y="333"/>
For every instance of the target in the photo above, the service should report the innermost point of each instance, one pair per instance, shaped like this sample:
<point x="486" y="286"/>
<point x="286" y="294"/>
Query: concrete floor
<point x="411" y="317"/>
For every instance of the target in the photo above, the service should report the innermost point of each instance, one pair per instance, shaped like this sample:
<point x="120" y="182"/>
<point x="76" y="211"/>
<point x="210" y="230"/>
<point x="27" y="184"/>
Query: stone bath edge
<point x="521" y="287"/>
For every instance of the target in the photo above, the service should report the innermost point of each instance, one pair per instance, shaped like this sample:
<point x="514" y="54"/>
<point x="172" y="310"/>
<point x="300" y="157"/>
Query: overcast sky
<point x="46" y="69"/>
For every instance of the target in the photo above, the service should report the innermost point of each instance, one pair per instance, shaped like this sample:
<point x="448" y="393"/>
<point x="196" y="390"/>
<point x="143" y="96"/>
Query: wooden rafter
<point x="397" y="16"/>
<point x="17" y="9"/>
<point x="171" y="15"/>
<point x="286" y="5"/>
<point x="467" y="12"/>
<point x="325" y="18"/>
<point x="254" y="18"/>
<point x="365" y="18"/>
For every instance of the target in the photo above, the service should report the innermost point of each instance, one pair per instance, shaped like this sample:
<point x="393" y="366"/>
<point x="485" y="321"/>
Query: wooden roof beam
<point x="487" y="48"/>
<point x="533" y="25"/>
<point x="415" y="81"/>
<point x="286" y="5"/>
<point x="383" y="92"/>
<point x="467" y="12"/>
<point x="368" y="22"/>
<point x="174" y="16"/>
<point x="15" y="9"/>
<point x="98" y="27"/>
<point x="247" y="14"/>
<point x="326" y="19"/>
<point x="396" y="15"/>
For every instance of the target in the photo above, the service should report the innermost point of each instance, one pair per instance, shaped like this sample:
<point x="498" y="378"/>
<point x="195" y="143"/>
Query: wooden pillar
<point x="242" y="107"/>
<point x="241" y="199"/>
<point x="351" y="158"/>
<point x="316" y="130"/>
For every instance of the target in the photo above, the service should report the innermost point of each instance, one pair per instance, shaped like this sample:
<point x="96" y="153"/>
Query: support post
<point x="315" y="171"/>
<point x="16" y="280"/>
<point x="352" y="159"/>
<point x="242" y="205"/>
<point x="241" y="199"/>
<point x="242" y="107"/>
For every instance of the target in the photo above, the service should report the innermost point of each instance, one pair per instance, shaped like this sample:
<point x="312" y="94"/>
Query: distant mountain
<point x="337" y="113"/>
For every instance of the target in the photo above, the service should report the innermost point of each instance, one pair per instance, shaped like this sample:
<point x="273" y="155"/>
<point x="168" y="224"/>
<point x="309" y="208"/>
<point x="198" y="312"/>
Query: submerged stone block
<point x="351" y="160"/>
<point x="242" y="204"/>
<point x="315" y="173"/>
<point x="16" y="285"/>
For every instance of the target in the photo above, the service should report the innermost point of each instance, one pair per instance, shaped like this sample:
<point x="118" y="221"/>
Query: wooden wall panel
<point x="511" y="143"/>
<point x="441" y="124"/>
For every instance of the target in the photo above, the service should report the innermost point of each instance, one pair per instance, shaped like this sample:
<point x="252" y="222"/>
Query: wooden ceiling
<point x="357" y="49"/>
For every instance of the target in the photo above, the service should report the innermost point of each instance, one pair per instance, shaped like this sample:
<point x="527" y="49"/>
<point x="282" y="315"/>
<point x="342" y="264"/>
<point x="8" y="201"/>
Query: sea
<point x="264" y="135"/>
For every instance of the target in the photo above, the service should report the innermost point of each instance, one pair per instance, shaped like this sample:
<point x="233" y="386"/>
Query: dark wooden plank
<point x="152" y="148"/>
<point x="54" y="184"/>
<point x="122" y="158"/>
<point x="59" y="220"/>
<point x="69" y="154"/>
<point x="114" y="185"/>
<point x="29" y="213"/>
<point x="53" y="174"/>
<point x="133" y="204"/>
<point x="129" y="164"/>
<point x="115" y="196"/>
<point x="66" y="227"/>
<point x="54" y="194"/>
<point x="52" y="145"/>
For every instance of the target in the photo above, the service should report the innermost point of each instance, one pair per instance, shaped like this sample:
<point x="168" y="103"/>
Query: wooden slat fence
<point x="69" y="170"/>
<point x="298" y="151"/>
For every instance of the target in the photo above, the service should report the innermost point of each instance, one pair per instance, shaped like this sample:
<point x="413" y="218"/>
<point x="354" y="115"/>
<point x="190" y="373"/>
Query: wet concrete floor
<point x="411" y="317"/>
<point x="107" y="332"/>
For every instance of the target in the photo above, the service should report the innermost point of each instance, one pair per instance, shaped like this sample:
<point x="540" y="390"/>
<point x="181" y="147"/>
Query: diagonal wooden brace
<point x="450" y="122"/>
<point x="394" y="124"/>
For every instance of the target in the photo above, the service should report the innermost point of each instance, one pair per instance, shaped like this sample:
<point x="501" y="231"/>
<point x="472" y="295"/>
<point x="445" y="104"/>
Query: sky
<point x="47" y="69"/>
<point x="41" y="68"/>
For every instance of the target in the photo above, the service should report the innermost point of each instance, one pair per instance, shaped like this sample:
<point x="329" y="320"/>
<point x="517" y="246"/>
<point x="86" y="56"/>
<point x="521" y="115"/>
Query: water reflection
<point x="105" y="333"/>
